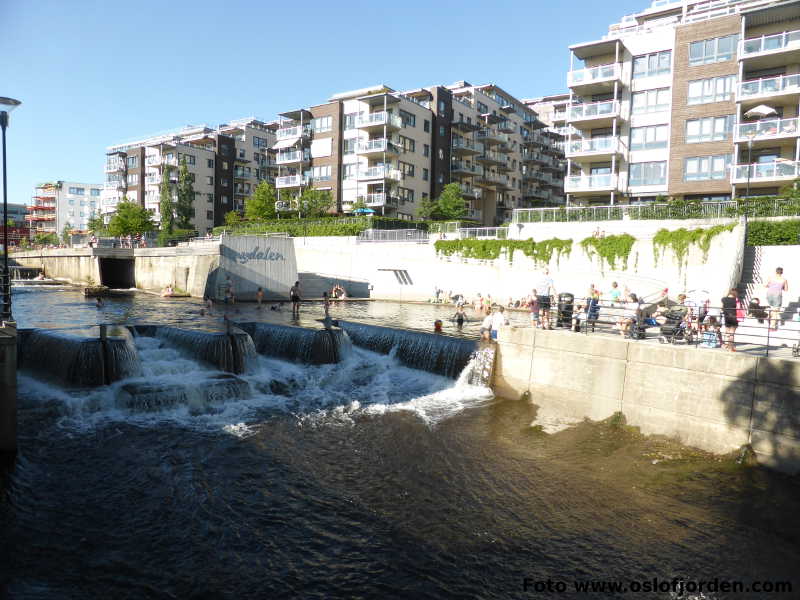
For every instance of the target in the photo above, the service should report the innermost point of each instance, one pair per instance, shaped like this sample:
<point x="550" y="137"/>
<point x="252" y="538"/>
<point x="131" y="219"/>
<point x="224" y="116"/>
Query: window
<point x="406" y="169"/>
<point x="425" y="175"/>
<point x="649" y="138"/>
<point x="405" y="194"/>
<point x="210" y="215"/>
<point x="349" y="171"/>
<point x="482" y="108"/>
<point x="210" y="197"/>
<point x="224" y="182"/>
<point x="651" y="101"/>
<point x="223" y="199"/>
<point x="321" y="173"/>
<point x="441" y="154"/>
<point x="715" y="89"/>
<point x="210" y="163"/>
<point x="408" y="119"/>
<point x="349" y="146"/>
<point x="133" y="178"/>
<point x="95" y="192"/>
<point x="210" y="180"/>
<point x="407" y="144"/>
<point x="442" y="106"/>
<point x="698" y="168"/>
<point x="350" y="121"/>
<point x="648" y="173"/>
<point x="440" y="178"/>
<point x="441" y="130"/>
<point x="77" y="191"/>
<point x="322" y="124"/>
<point x="713" y="50"/>
<point x="708" y="129"/>
<point x="259" y="142"/>
<point x="426" y="150"/>
<point x="657" y="63"/>
<point x="133" y="162"/>
<point x="241" y="154"/>
<point x="224" y="149"/>
<point x="426" y="126"/>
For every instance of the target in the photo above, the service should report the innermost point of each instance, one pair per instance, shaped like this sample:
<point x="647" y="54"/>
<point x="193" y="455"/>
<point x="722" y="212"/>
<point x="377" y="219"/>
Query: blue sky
<point x="91" y="74"/>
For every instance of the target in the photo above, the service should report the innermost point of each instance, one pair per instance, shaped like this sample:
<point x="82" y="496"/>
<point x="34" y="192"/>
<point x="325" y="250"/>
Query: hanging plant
<point x="540" y="252"/>
<point x="610" y="249"/>
<point x="680" y="240"/>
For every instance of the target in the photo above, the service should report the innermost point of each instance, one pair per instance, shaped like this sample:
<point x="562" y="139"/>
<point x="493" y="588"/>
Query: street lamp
<point x="6" y="106"/>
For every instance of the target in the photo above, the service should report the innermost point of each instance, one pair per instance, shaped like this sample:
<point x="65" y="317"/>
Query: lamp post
<point x="6" y="106"/>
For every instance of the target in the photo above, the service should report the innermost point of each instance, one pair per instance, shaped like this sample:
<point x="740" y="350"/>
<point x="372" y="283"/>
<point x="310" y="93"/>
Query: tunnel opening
<point x="117" y="273"/>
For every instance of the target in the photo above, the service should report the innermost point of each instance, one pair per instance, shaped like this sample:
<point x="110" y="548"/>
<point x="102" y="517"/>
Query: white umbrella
<point x="762" y="110"/>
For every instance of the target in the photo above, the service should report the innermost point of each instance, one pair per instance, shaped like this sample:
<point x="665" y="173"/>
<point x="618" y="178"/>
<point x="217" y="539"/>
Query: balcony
<point x="491" y="136"/>
<point x="468" y="191"/>
<point x="769" y="87"/>
<point x="290" y="181"/>
<point x="380" y="172"/>
<point x="377" y="120"/>
<point x="114" y="185"/>
<point x="156" y="160"/>
<point x="492" y="158"/>
<point x="594" y="147"/>
<point x="488" y="179"/>
<point x="295" y="156"/>
<point x="292" y="131"/>
<point x="475" y="214"/>
<point x="594" y="111"/>
<point x="770" y="45"/>
<point x="560" y="115"/>
<point x="41" y="206"/>
<point x="603" y="74"/>
<point x="458" y="167"/>
<point x="377" y="146"/>
<point x="464" y="147"/>
<point x="777" y="171"/>
<point x="590" y="183"/>
<point x="237" y="174"/>
<point x="766" y="129"/>
<point x="507" y="126"/>
<point x="156" y="179"/>
<point x="380" y="199"/>
<point x="113" y="166"/>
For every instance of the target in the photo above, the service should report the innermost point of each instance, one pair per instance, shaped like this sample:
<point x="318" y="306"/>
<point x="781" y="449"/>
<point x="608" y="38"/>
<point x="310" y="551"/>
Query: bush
<point x="773" y="233"/>
<point x="333" y="226"/>
<point x="177" y="235"/>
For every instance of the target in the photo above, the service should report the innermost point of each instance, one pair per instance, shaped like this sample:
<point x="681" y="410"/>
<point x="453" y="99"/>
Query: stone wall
<point x="713" y="400"/>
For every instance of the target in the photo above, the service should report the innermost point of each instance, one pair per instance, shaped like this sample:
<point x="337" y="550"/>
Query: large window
<point x="708" y="129"/>
<point x="350" y="121"/>
<point x="95" y="192"/>
<point x="322" y="173"/>
<point x="651" y="101"/>
<point x="713" y="50"/>
<point x="77" y="191"/>
<point x="409" y="120"/>
<point x="407" y="169"/>
<point x="698" y="168"/>
<point x="657" y="63"/>
<point x="715" y="89"/>
<point x="648" y="173"/>
<point x="349" y="171"/>
<point x="322" y="124"/>
<point x="405" y="194"/>
<point x="349" y="146"/>
<point x="649" y="138"/>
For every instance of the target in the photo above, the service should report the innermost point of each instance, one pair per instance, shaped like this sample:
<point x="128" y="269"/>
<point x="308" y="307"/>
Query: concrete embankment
<point x="713" y="400"/>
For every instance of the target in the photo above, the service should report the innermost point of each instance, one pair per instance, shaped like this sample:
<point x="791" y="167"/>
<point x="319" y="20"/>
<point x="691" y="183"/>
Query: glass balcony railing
<point x="770" y="43"/>
<point x="289" y="157"/>
<point x="767" y="86"/>
<point x="292" y="131"/>
<point x="290" y="181"/>
<point x="598" y="145"/>
<point x="776" y="170"/>
<point x="380" y="199"/>
<point x="577" y="183"/>
<point x="767" y="128"/>
<point x="593" y="74"/>
<point x="380" y="172"/>
<point x="116" y="165"/>
<point x="593" y="110"/>
<point x="378" y="145"/>
<point x="378" y="118"/>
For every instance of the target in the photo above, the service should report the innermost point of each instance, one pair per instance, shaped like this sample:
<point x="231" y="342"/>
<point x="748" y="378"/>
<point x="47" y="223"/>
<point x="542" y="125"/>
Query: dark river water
<point x="364" y="479"/>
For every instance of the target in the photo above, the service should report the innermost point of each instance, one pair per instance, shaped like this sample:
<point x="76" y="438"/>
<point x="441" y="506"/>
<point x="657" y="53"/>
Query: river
<point x="364" y="479"/>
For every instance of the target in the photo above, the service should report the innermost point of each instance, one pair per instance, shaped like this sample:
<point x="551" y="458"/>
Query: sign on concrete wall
<point x="253" y="261"/>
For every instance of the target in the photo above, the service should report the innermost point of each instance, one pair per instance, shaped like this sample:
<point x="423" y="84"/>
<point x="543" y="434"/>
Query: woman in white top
<point x="629" y="314"/>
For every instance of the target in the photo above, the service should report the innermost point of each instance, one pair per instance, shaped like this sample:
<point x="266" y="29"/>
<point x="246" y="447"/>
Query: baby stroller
<point x="637" y="330"/>
<point x="674" y="330"/>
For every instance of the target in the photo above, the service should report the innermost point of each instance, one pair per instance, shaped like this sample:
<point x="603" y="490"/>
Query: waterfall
<point x="480" y="367"/>
<point x="78" y="356"/>
<point x="226" y="351"/>
<point x="432" y="352"/>
<point x="139" y="396"/>
<point x="309" y="346"/>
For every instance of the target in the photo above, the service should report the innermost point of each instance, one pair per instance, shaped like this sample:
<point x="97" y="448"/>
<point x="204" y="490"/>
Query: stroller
<point x="637" y="330"/>
<point x="675" y="330"/>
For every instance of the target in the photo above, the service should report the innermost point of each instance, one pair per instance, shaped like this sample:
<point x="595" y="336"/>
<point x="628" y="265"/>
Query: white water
<point x="364" y="384"/>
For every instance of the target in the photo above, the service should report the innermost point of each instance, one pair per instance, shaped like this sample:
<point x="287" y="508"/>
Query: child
<point x="712" y="338"/>
<point x="437" y="326"/>
<point x="460" y="317"/>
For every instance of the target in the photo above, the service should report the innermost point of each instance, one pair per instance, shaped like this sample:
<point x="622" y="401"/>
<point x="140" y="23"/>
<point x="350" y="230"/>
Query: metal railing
<point x="590" y="182"/>
<point x="767" y="128"/>
<point x="592" y="74"/>
<point x="770" y="85"/>
<point x="378" y="118"/>
<point x="787" y="169"/>
<point x="768" y="43"/>
<point x="483" y="233"/>
<point x="757" y="207"/>
<point x="597" y="145"/>
<point x="415" y="236"/>
<point x="376" y="145"/>
<point x="593" y="110"/>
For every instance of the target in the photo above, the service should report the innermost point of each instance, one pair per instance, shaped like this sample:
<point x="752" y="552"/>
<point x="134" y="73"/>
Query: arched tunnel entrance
<point x="117" y="273"/>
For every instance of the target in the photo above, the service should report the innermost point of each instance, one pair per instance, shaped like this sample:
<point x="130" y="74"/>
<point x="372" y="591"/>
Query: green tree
<point x="130" y="219"/>
<point x="261" y="205"/>
<point x="165" y="203"/>
<point x="451" y="203"/>
<point x="429" y="209"/>
<point x="359" y="204"/>
<point x="314" y="203"/>
<point x="45" y="239"/>
<point x="66" y="234"/>
<point x="184" y="207"/>
<point x="232" y="218"/>
<point x="95" y="223"/>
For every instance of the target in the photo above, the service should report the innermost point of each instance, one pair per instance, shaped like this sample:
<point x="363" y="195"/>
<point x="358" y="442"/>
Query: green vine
<point x="681" y="239"/>
<point x="540" y="252"/>
<point x="610" y="248"/>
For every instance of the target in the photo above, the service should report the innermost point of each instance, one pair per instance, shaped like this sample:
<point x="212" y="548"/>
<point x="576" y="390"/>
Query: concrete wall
<point x="73" y="265"/>
<point x="253" y="261"/>
<point x="715" y="401"/>
<point x="186" y="267"/>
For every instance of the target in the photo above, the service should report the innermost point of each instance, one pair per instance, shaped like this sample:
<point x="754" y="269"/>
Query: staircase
<point x="750" y="284"/>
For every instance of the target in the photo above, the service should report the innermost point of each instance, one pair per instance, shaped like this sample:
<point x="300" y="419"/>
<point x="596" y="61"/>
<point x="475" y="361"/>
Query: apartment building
<point x="392" y="149"/>
<point x="59" y="204"/>
<point x="687" y="98"/>
<point x="225" y="163"/>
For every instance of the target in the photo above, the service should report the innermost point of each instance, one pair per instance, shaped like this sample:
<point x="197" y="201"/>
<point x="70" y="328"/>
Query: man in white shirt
<point x="546" y="288"/>
<point x="486" y="327"/>
<point x="498" y="320"/>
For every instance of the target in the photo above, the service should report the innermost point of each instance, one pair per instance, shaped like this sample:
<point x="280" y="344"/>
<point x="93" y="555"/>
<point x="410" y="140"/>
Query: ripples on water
<point x="360" y="480"/>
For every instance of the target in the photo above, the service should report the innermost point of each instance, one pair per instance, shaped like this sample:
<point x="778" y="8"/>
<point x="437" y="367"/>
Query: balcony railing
<point x="289" y="157"/>
<point x="114" y="185"/>
<point x="116" y="165"/>
<point x="779" y="170"/>
<point x="491" y="136"/>
<point x="287" y="181"/>
<point x="380" y="199"/>
<point x="156" y="159"/>
<point x="599" y="145"/>
<point x="593" y="74"/>
<point x="458" y="166"/>
<point x="770" y="43"/>
<point x="580" y="183"/>
<point x="475" y="213"/>
<point x="468" y="190"/>
<point x="767" y="86"/>
<point x="464" y="144"/>
<point x="379" y="118"/>
<point x="292" y="131"/>
<point x="766" y="129"/>
<point x="377" y="145"/>
<point x="560" y="115"/>
<point x="380" y="172"/>
<point x="593" y="110"/>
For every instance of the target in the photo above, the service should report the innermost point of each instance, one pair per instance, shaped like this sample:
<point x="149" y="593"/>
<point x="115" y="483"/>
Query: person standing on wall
<point x="546" y="289"/>
<point x="294" y="295"/>
<point x="776" y="285"/>
<point x="498" y="320"/>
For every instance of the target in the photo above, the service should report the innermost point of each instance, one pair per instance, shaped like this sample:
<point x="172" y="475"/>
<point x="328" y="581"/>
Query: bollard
<point x="8" y="388"/>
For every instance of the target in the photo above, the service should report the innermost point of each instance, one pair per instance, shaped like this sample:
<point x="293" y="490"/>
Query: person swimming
<point x="460" y="317"/>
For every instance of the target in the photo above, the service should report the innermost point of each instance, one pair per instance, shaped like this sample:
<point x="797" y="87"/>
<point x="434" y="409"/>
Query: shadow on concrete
<point x="313" y="284"/>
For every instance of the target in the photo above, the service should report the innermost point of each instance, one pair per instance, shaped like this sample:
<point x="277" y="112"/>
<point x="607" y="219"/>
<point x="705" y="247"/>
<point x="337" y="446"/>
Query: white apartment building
<point x="59" y="204"/>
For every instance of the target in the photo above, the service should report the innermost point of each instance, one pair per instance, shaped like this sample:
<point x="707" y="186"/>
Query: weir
<point x="432" y="352"/>
<point x="310" y="346"/>
<point x="215" y="388"/>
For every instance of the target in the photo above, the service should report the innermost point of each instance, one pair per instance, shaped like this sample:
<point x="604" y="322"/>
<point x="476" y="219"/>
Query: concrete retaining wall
<point x="78" y="265"/>
<point x="712" y="400"/>
<point x="187" y="268"/>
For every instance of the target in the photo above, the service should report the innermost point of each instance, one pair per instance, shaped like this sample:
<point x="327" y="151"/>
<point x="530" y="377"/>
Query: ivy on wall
<point x="679" y="241"/>
<point x="541" y="252"/>
<point x="610" y="249"/>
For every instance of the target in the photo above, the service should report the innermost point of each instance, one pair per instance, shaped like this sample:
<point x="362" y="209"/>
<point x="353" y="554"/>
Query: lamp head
<point x="6" y="106"/>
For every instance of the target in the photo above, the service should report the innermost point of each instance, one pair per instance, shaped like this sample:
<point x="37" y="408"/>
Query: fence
<point x="483" y="233"/>
<point x="416" y="236"/>
<point x="770" y="207"/>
